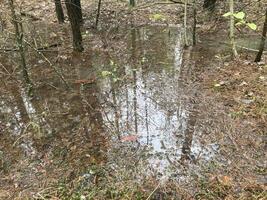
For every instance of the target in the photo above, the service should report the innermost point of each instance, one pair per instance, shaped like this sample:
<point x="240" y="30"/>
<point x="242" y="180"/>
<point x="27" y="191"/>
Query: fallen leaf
<point x="129" y="138"/>
<point x="83" y="81"/>
<point x="225" y="180"/>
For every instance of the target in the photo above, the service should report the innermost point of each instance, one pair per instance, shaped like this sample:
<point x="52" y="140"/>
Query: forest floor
<point x="231" y="98"/>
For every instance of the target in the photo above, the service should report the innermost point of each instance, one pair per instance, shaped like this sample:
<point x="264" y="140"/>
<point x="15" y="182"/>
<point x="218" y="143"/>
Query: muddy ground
<point x="145" y="118"/>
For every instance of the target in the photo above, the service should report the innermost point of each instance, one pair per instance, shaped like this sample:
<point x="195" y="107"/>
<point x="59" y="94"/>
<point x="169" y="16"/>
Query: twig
<point x="24" y="14"/>
<point x="5" y="68"/>
<point x="157" y="3"/>
<point x="153" y="192"/>
<point x="49" y="62"/>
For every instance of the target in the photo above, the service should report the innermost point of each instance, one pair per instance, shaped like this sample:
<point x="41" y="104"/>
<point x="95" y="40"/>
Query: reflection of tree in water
<point x="92" y="120"/>
<point x="134" y="68"/>
<point x="72" y="126"/>
<point x="190" y="103"/>
<point x="188" y="136"/>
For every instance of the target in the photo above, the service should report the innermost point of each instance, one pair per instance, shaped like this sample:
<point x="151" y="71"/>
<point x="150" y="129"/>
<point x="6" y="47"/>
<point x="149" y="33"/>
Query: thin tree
<point x="1" y="23"/>
<point x="98" y="13"/>
<point x="79" y="10"/>
<point x="132" y="3"/>
<point x="74" y="18"/>
<point x="185" y="23"/>
<point x="59" y="11"/>
<point x="209" y="4"/>
<point x="263" y="39"/>
<point x="232" y="28"/>
<point x="195" y="22"/>
<point x="19" y="42"/>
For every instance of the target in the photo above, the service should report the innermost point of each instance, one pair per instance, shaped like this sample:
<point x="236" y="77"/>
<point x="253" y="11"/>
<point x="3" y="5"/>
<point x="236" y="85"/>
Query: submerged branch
<point x="49" y="62"/>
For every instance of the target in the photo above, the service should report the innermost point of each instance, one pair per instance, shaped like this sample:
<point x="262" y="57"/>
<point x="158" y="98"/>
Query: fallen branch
<point x="157" y="3"/>
<point x="8" y="49"/>
<point x="49" y="62"/>
<point x="34" y="18"/>
<point x="153" y="192"/>
<point x="49" y="46"/>
<point x="44" y="48"/>
<point x="249" y="49"/>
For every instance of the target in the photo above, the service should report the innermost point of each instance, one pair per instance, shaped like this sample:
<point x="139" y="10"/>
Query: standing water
<point x="138" y="97"/>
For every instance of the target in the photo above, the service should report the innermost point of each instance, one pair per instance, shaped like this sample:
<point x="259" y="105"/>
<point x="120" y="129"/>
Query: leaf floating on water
<point x="129" y="138"/>
<point x="262" y="78"/>
<point x="83" y="81"/>
<point x="157" y="17"/>
<point x="106" y="73"/>
<point x="243" y="83"/>
<point x="226" y="180"/>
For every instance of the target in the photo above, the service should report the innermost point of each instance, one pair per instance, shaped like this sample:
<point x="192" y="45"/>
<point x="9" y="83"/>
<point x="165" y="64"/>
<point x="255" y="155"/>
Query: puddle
<point x="150" y="103"/>
<point x="141" y="88"/>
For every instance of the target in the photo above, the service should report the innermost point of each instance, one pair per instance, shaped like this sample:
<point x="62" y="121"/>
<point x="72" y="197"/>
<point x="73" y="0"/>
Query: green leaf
<point x="157" y="17"/>
<point x="252" y="26"/>
<point x="227" y="14"/>
<point x="241" y="22"/>
<point x="106" y="73"/>
<point x="239" y="15"/>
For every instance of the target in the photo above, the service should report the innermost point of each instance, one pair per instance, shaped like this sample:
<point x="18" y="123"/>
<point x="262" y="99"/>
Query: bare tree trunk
<point x="59" y="11"/>
<point x="79" y="10"/>
<point x="195" y="22"/>
<point x="132" y="3"/>
<point x="75" y="25"/>
<point x="232" y="28"/>
<point x="209" y="4"/>
<point x="98" y="13"/>
<point x="263" y="39"/>
<point x="185" y="23"/>
<point x="19" y="41"/>
<point x="1" y="23"/>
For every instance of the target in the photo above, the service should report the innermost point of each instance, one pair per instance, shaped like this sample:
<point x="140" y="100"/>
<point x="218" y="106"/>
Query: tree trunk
<point x="1" y="23"/>
<point x="185" y="23"/>
<point x="74" y="18"/>
<point x="132" y="3"/>
<point x="209" y="4"/>
<point x="79" y="10"/>
<point x="19" y="41"/>
<point x="59" y="11"/>
<point x="232" y="28"/>
<point x="195" y="22"/>
<point x="98" y="13"/>
<point x="263" y="39"/>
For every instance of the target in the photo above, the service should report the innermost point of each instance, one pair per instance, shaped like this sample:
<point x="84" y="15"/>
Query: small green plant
<point x="112" y="73"/>
<point x="157" y="17"/>
<point x="240" y="19"/>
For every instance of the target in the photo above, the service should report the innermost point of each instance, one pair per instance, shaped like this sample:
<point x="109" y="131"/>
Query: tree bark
<point x="263" y="39"/>
<point x="195" y="23"/>
<point x="1" y="23"/>
<point x="79" y="10"/>
<point x="209" y="4"/>
<point x="20" y="44"/>
<point x="59" y="11"/>
<point x="74" y="18"/>
<point x="232" y="28"/>
<point x="185" y="23"/>
<point x="98" y="13"/>
<point x="132" y="3"/>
